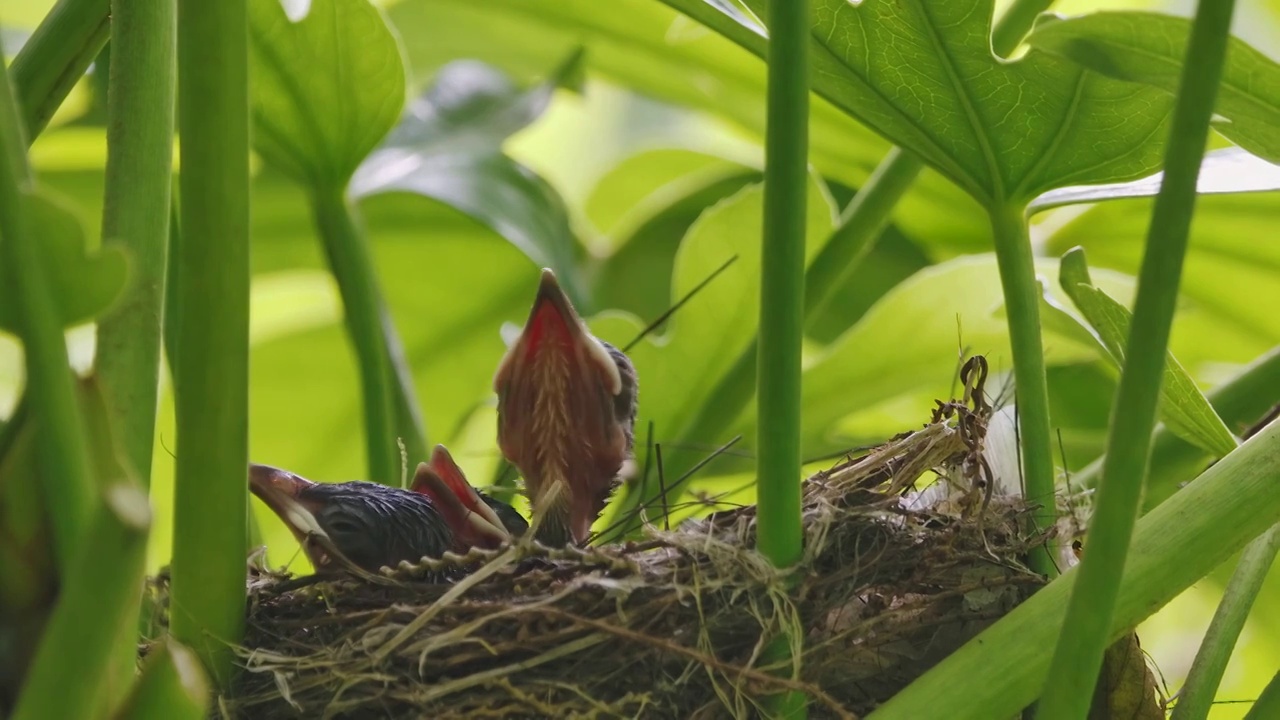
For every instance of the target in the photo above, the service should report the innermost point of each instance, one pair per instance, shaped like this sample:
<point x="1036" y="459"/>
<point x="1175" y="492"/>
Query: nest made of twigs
<point x="675" y="626"/>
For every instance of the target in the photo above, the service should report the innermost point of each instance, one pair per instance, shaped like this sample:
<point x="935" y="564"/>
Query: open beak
<point x="557" y="418"/>
<point x="472" y="521"/>
<point x="282" y="491"/>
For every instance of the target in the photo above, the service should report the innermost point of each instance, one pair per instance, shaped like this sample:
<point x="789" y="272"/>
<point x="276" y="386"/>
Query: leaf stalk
<point x="1086" y="629"/>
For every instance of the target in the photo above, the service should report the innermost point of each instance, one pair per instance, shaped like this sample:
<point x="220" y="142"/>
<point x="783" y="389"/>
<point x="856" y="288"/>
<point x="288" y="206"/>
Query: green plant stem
<point x="140" y="110"/>
<point x="351" y="262"/>
<point x="1197" y="694"/>
<point x="779" y="533"/>
<point x="56" y="56"/>
<point x="211" y="388"/>
<point x="136" y="216"/>
<point x="861" y="224"/>
<point x="171" y="686"/>
<point x="1022" y="300"/>
<point x="782" y="283"/>
<point x="171" y="316"/>
<point x="1004" y="668"/>
<point x="69" y="492"/>
<point x="1085" y="632"/>
<point x="172" y="321"/>
<point x="73" y="660"/>
<point x="1268" y="703"/>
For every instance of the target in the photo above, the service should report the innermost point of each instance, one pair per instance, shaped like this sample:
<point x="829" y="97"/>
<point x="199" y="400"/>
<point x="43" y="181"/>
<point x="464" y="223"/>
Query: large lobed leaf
<point x="921" y="73"/>
<point x="1149" y="48"/>
<point x="325" y="89"/>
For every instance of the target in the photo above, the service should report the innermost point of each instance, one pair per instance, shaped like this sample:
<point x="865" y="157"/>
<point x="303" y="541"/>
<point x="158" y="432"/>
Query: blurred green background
<point x="667" y="125"/>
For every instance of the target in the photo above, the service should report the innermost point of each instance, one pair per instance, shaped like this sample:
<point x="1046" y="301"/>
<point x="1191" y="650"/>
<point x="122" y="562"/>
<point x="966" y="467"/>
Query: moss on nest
<point x="670" y="627"/>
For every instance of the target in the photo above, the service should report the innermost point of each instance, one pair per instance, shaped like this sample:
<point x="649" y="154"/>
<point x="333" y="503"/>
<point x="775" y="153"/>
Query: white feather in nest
<point x="1000" y="451"/>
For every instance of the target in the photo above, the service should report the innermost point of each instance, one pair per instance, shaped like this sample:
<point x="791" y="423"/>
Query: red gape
<point x="474" y="523"/>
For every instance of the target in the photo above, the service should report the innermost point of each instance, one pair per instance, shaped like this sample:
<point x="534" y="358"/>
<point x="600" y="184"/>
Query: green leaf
<point x="921" y="73"/>
<point x="904" y="350"/>
<point x="1149" y="48"/>
<point x="679" y="369"/>
<point x="449" y="148"/>
<point x="84" y="284"/>
<point x="171" y="684"/>
<point x="661" y="54"/>
<point x="1225" y="171"/>
<point x="649" y="182"/>
<point x="1182" y="406"/>
<point x="636" y="277"/>
<point x="1228" y="288"/>
<point x="638" y="44"/>
<point x="29" y="576"/>
<point x="325" y="90"/>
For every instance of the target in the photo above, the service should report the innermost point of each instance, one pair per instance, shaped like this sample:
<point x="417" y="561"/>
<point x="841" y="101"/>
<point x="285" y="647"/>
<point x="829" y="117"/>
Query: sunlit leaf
<point x="84" y="284"/>
<point x="1183" y="407"/>
<point x="636" y="277"/>
<point x="669" y="56"/>
<point x="647" y="183"/>
<point x="325" y="90"/>
<point x="1229" y="170"/>
<point x="449" y="147"/>
<point x="679" y="369"/>
<point x="921" y="73"/>
<point x="636" y="43"/>
<point x="1228" y="290"/>
<point x="902" y="355"/>
<point x="1150" y="48"/>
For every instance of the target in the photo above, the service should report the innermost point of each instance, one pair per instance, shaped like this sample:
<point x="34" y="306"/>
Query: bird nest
<point x="677" y="625"/>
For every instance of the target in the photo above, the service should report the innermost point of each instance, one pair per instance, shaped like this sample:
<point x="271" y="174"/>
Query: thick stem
<point x="212" y="374"/>
<point x="140" y="109"/>
<point x="861" y="225"/>
<point x="351" y="262"/>
<point x="779" y="534"/>
<point x="782" y="283"/>
<point x="171" y="686"/>
<point x="1022" y="301"/>
<point x="56" y="56"/>
<point x="136" y="216"/>
<point x="1197" y="694"/>
<point x="96" y="600"/>
<point x="1003" y="669"/>
<point x="69" y="489"/>
<point x="1085" y="633"/>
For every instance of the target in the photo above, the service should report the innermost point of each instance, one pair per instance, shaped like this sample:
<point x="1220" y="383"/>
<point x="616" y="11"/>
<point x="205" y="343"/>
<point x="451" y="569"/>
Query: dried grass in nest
<point x="671" y="627"/>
